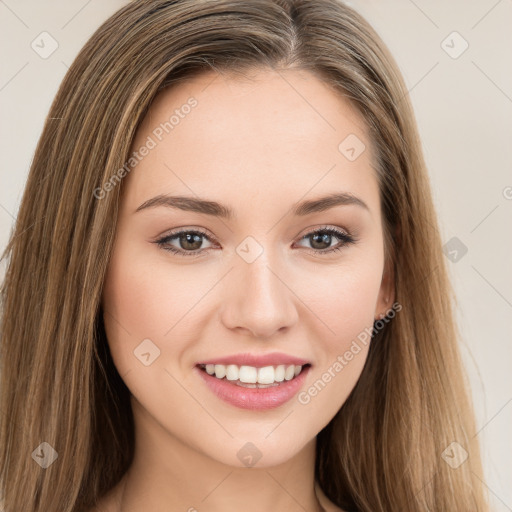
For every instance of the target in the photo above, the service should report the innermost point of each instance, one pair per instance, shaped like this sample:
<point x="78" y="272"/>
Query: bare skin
<point x="112" y="501"/>
<point x="259" y="147"/>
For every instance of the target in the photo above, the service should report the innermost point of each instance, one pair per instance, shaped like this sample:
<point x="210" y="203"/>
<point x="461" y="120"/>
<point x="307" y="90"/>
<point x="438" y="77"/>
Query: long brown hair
<point x="384" y="449"/>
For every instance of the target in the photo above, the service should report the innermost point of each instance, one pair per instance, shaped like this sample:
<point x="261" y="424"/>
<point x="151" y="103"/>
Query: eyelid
<point x="345" y="237"/>
<point x="187" y="229"/>
<point x="161" y="240"/>
<point x="324" y="227"/>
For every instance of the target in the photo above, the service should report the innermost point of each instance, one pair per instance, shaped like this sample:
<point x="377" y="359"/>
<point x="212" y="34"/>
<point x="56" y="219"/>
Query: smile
<point x="252" y="377"/>
<point x="248" y="387"/>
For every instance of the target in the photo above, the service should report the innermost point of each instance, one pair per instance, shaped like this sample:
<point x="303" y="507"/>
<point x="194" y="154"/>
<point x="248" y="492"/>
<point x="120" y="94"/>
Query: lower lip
<point x="255" y="399"/>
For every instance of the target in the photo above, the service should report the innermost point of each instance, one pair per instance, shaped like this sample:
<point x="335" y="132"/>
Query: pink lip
<point x="258" y="361"/>
<point x="254" y="398"/>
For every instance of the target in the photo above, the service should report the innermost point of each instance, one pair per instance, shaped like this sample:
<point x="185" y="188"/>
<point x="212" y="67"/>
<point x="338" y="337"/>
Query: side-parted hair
<point x="383" y="449"/>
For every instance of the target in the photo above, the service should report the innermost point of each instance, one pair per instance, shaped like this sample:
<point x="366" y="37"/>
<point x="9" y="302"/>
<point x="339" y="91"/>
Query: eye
<point x="189" y="242"/>
<point x="321" y="240"/>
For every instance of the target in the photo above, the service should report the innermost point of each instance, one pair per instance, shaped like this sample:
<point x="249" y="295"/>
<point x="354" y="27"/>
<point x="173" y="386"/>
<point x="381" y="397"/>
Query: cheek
<point x="145" y="298"/>
<point x="344" y="306"/>
<point x="133" y="306"/>
<point x="342" y="301"/>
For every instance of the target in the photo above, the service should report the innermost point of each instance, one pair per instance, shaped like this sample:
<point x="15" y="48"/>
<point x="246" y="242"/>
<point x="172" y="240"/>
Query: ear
<point x="387" y="291"/>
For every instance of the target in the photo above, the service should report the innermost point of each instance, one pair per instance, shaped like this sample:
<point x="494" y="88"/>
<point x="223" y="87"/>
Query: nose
<point x="258" y="299"/>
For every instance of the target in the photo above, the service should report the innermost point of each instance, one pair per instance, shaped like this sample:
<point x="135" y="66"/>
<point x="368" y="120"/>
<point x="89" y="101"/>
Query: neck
<point x="168" y="475"/>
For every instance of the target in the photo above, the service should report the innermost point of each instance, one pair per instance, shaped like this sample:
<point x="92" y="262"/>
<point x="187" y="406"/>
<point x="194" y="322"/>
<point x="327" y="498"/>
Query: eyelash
<point x="345" y="238"/>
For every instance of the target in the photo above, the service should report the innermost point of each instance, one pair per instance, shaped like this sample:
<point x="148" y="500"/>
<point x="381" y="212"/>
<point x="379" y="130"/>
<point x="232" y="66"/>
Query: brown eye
<point x="190" y="241"/>
<point x="321" y="240"/>
<point x="184" y="243"/>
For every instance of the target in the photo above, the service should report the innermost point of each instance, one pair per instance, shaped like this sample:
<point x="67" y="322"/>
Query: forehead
<point x="272" y="134"/>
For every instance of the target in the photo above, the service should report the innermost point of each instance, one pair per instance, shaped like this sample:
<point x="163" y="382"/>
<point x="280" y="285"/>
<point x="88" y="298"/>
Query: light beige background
<point x="464" y="111"/>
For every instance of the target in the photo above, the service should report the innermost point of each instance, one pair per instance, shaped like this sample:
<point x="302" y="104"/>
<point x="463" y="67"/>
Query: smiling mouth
<point x="253" y="377"/>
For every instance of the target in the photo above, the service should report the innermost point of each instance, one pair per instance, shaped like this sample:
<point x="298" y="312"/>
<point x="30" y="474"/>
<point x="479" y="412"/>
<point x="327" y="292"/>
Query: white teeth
<point x="279" y="373"/>
<point x="220" y="371"/>
<point x="253" y="375"/>
<point x="232" y="372"/>
<point x="289" y="373"/>
<point x="265" y="375"/>
<point x="248" y="374"/>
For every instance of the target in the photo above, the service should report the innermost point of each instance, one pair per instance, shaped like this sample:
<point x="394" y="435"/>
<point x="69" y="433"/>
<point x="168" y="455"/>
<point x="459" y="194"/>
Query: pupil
<point x="325" y="238"/>
<point x="188" y="238"/>
<point x="193" y="241"/>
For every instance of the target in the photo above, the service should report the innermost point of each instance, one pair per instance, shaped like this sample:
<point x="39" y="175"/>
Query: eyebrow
<point x="194" y="204"/>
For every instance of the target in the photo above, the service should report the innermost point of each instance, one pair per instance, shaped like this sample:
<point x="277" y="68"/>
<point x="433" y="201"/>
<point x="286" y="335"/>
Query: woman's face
<point x="261" y="281"/>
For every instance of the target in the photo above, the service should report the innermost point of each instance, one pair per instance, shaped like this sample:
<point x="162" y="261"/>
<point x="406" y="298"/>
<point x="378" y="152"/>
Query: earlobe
<point x="386" y="293"/>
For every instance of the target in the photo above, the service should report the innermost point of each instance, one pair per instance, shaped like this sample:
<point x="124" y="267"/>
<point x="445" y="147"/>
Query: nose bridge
<point x="259" y="300"/>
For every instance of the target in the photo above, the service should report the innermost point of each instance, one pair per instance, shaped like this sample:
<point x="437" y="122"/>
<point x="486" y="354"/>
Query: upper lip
<point x="258" y="361"/>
